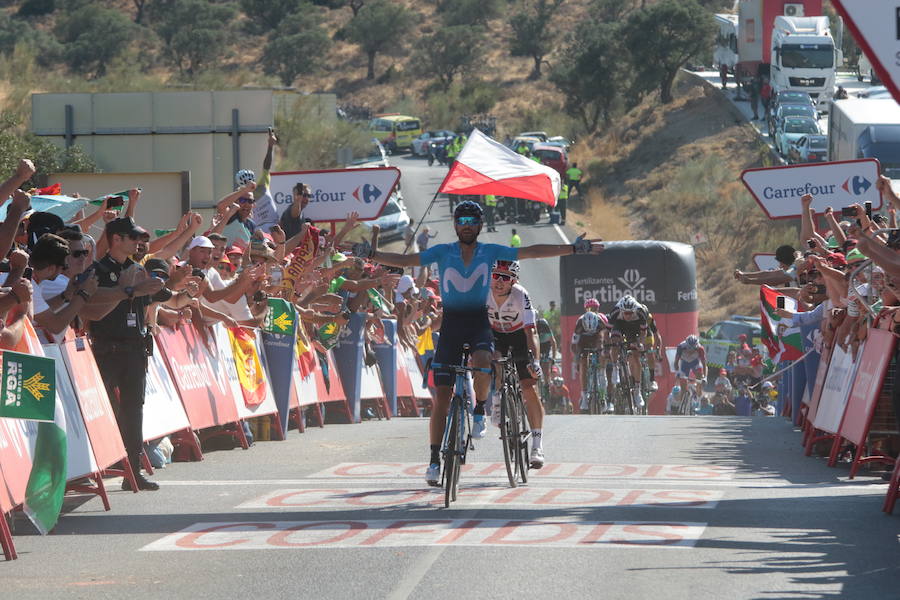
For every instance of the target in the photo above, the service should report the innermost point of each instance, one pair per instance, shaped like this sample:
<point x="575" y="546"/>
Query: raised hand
<point x="25" y="169"/>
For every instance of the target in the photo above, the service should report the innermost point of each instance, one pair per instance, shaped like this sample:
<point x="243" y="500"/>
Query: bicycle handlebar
<point x="459" y="368"/>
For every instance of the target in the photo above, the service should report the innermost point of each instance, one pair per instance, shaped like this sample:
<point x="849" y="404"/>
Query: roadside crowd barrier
<point x="848" y="403"/>
<point x="204" y="382"/>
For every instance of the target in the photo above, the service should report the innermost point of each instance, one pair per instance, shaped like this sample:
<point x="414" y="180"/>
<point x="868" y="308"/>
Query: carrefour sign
<point x="778" y="190"/>
<point x="338" y="192"/>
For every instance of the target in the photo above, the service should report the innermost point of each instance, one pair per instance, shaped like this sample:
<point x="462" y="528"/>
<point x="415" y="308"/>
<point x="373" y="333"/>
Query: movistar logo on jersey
<point x="464" y="284"/>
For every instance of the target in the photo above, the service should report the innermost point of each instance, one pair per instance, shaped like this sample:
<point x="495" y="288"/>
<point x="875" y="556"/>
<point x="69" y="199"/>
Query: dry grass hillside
<point x="668" y="172"/>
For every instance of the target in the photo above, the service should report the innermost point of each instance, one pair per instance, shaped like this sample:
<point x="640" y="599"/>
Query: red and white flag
<point x="485" y="166"/>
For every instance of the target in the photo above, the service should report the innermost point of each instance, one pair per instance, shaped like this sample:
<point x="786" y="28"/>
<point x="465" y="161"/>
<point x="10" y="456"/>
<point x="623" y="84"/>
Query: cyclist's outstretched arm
<point x="581" y="246"/>
<point x="395" y="259"/>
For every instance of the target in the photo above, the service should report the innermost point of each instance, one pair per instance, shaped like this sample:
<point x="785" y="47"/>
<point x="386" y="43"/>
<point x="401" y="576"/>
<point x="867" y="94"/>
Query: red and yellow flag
<point x="249" y="368"/>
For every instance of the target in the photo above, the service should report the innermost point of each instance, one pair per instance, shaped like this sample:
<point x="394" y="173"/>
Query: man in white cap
<point x="200" y="257"/>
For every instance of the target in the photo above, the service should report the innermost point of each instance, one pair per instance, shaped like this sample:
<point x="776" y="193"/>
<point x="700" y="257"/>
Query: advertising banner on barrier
<point x="79" y="453"/>
<point x="16" y="445"/>
<point x="415" y="375"/>
<point x="207" y="401"/>
<point x="224" y="362"/>
<point x="99" y="419"/>
<point x="837" y="184"/>
<point x="873" y="365"/>
<point x="279" y="356"/>
<point x="841" y="371"/>
<point x="28" y="389"/>
<point x="348" y="354"/>
<point x="386" y="355"/>
<point x="818" y="385"/>
<point x="305" y="386"/>
<point x="338" y="192"/>
<point x="163" y="410"/>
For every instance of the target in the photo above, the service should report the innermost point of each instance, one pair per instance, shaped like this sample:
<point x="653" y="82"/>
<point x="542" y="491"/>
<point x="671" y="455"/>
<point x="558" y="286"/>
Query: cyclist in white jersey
<point x="690" y="357"/>
<point x="464" y="269"/>
<point x="512" y="320"/>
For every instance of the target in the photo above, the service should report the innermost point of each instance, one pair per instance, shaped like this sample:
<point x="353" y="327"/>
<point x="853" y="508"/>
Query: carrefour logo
<point x="856" y="185"/>
<point x="366" y="193"/>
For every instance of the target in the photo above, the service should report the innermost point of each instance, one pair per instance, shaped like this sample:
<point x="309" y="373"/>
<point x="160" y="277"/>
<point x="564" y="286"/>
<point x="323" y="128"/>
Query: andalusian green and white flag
<point x="29" y="392"/>
<point x="281" y="318"/>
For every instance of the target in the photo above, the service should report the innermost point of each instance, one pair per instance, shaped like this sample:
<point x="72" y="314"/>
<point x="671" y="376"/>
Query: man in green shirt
<point x="515" y="241"/>
<point x="561" y="203"/>
<point x="490" y="205"/>
<point x="574" y="174"/>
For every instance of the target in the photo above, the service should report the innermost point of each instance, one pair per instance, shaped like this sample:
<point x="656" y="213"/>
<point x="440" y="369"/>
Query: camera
<point x="115" y="202"/>
<point x="779" y="302"/>
<point x="198" y="273"/>
<point x="848" y="211"/>
<point x="868" y="207"/>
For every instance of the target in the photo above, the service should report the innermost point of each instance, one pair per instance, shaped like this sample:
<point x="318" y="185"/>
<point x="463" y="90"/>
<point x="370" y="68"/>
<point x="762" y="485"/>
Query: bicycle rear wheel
<point x="523" y="460"/>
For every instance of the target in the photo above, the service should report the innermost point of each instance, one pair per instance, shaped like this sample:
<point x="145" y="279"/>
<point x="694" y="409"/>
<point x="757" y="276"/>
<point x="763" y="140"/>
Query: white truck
<point x="804" y="57"/>
<point x="866" y="128"/>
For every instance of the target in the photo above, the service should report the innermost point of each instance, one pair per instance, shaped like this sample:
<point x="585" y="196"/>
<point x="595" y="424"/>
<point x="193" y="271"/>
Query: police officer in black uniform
<point x="121" y="341"/>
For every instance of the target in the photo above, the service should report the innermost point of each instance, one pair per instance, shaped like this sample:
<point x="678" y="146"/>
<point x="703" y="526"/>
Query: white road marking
<point x="562" y="234"/>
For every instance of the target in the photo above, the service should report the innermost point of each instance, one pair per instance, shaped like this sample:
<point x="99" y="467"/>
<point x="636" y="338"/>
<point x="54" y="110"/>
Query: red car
<point x="554" y="157"/>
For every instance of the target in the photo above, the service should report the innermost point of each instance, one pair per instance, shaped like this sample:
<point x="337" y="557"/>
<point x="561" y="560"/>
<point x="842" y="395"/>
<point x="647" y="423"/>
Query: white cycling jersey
<point x="513" y="314"/>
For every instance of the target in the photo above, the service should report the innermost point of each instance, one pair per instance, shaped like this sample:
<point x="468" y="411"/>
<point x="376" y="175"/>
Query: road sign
<point x="876" y="28"/>
<point x="338" y="192"/>
<point x="778" y="190"/>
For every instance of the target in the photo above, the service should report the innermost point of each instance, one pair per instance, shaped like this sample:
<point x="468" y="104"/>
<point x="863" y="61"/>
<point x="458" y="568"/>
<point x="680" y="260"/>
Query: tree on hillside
<point x="93" y="36"/>
<point x="469" y="12"/>
<point x="139" y="6"/>
<point x="297" y="47"/>
<point x="267" y="15"/>
<point x="194" y="32"/>
<point x="591" y="73"/>
<point x="375" y="27"/>
<point x="663" y="38"/>
<point x="532" y="35"/>
<point x="354" y="5"/>
<point x="448" y="52"/>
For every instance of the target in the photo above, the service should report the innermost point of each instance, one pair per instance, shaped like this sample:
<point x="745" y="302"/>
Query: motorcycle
<point x="437" y="152"/>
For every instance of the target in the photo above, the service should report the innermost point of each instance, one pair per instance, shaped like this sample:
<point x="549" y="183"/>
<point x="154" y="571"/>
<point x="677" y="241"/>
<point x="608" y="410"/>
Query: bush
<point x="448" y="52"/>
<point x="298" y="47"/>
<point x="36" y="8"/>
<point x="93" y="36"/>
<point x="265" y="16"/>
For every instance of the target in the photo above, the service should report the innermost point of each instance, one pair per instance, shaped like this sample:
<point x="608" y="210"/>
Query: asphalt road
<point x="627" y="507"/>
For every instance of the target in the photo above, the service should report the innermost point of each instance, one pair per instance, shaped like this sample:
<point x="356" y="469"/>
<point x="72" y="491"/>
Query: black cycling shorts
<point x="458" y="329"/>
<point x="518" y="343"/>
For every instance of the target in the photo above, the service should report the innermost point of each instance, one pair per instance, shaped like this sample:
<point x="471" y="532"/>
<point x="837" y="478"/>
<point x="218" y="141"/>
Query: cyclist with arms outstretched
<point x="512" y="319"/>
<point x="464" y="269"/>
<point x="590" y="329"/>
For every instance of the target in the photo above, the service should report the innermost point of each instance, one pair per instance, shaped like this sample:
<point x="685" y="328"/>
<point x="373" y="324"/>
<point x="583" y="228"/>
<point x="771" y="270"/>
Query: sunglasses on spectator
<point x="80" y="253"/>
<point x="226" y="267"/>
<point x="501" y="277"/>
<point x="246" y="200"/>
<point x="463" y="221"/>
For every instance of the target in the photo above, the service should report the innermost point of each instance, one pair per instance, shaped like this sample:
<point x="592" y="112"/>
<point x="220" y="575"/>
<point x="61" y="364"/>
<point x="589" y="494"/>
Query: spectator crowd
<point x="103" y="275"/>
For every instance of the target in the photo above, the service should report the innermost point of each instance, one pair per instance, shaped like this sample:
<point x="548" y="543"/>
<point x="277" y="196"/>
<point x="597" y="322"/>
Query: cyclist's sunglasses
<point x="80" y="253"/>
<point x="501" y="277"/>
<point x="463" y="221"/>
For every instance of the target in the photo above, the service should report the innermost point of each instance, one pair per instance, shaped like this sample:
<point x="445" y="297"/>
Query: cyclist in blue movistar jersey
<point x="464" y="268"/>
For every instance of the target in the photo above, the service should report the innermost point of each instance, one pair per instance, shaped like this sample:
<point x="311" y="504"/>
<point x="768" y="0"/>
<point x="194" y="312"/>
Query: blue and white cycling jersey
<point x="465" y="289"/>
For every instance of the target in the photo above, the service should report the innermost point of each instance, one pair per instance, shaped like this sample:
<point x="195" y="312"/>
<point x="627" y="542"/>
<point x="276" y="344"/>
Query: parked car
<point x="790" y="110"/>
<point x="558" y="140"/>
<point x="420" y="144"/>
<point x="393" y="219"/>
<point x="789" y="97"/>
<point x="541" y="135"/>
<point x="724" y="336"/>
<point x="552" y="156"/>
<point x="529" y="141"/>
<point x="792" y="129"/>
<point x="809" y="149"/>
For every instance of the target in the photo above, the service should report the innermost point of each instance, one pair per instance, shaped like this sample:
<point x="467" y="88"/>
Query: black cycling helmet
<point x="468" y="209"/>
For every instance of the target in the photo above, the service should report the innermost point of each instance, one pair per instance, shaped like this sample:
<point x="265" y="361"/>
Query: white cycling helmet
<point x="590" y="321"/>
<point x="692" y="341"/>
<point x="767" y="385"/>
<point x="509" y="267"/>
<point x="244" y="176"/>
<point x="627" y="303"/>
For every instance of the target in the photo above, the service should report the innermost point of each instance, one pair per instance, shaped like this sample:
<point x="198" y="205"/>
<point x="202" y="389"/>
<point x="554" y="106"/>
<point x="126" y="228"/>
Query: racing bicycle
<point x="623" y="391"/>
<point x="514" y="430"/>
<point x="457" y="439"/>
<point x="594" y="392"/>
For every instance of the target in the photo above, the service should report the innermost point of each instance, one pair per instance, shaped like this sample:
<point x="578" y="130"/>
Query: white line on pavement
<point x="561" y="233"/>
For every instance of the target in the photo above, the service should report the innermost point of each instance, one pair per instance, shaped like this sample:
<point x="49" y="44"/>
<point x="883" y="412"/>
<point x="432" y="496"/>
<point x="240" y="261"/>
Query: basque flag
<point x="485" y="166"/>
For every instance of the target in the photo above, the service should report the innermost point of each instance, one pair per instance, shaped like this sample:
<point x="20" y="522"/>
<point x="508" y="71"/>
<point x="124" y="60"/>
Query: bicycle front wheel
<point x="453" y="455"/>
<point x="523" y="461"/>
<point x="508" y="434"/>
